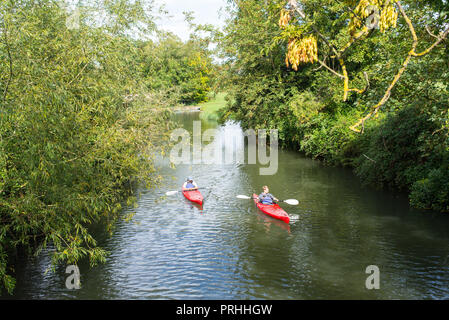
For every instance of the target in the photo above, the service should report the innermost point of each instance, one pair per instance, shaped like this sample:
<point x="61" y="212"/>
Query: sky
<point x="204" y="11"/>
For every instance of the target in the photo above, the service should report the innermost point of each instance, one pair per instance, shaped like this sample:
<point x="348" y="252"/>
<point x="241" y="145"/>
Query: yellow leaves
<point x="359" y="16"/>
<point x="303" y="50"/>
<point x="300" y="49"/>
<point x="388" y="18"/>
<point x="285" y="18"/>
<point x="373" y="13"/>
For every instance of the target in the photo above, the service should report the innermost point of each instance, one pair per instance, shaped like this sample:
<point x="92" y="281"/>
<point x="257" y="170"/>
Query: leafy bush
<point x="183" y="69"/>
<point x="395" y="153"/>
<point x="433" y="191"/>
<point x="304" y="106"/>
<point x="328" y="139"/>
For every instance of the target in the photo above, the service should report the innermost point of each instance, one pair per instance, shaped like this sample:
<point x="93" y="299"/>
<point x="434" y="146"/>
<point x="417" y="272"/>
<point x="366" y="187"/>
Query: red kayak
<point x="273" y="210"/>
<point x="194" y="196"/>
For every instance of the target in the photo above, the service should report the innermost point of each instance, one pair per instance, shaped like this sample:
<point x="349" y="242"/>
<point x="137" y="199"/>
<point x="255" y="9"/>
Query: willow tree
<point x="72" y="149"/>
<point x="304" y="37"/>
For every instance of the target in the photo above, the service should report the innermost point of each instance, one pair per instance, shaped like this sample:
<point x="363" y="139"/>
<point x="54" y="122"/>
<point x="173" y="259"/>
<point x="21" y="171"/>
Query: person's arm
<point x="184" y="185"/>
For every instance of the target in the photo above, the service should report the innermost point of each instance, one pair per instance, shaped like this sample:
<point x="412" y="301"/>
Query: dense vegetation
<point x="81" y="118"/>
<point x="373" y="99"/>
<point x="181" y="70"/>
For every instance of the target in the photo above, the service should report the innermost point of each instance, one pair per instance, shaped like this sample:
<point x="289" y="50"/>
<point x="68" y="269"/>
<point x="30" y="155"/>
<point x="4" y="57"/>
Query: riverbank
<point x="210" y="109"/>
<point x="186" y="108"/>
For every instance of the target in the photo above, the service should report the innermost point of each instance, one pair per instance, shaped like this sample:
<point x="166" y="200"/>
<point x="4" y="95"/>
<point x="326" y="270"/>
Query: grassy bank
<point x="210" y="109"/>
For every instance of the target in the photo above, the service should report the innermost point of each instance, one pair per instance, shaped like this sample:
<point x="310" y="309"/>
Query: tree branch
<point x="330" y="69"/>
<point x="440" y="38"/>
<point x="81" y="71"/>
<point x="411" y="54"/>
<point x="338" y="53"/>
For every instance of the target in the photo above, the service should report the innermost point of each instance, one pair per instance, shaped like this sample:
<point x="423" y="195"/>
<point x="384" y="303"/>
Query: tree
<point x="314" y="72"/>
<point x="367" y="15"/>
<point x="72" y="149"/>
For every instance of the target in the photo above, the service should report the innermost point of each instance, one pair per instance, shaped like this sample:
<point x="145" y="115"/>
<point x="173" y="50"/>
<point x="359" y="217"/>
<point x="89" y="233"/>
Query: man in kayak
<point x="189" y="185"/>
<point x="267" y="198"/>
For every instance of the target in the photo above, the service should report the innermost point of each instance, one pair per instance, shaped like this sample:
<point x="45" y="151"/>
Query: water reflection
<point x="228" y="249"/>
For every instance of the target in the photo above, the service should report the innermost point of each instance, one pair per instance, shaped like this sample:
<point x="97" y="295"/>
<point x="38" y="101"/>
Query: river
<point x="227" y="249"/>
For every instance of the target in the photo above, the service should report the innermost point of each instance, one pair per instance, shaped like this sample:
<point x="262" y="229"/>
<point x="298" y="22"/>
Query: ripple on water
<point x="227" y="249"/>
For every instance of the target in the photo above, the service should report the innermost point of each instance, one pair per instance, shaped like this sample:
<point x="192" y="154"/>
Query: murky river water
<point x="227" y="249"/>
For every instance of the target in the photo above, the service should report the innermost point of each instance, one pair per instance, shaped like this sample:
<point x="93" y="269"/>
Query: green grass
<point x="209" y="110"/>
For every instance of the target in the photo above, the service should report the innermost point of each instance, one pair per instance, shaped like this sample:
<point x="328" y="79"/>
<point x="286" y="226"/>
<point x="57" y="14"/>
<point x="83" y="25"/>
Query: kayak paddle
<point x="170" y="193"/>
<point x="292" y="202"/>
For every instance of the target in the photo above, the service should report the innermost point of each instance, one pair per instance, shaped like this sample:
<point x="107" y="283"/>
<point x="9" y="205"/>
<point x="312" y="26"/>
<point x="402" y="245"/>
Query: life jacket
<point x="266" y="198"/>
<point x="190" y="185"/>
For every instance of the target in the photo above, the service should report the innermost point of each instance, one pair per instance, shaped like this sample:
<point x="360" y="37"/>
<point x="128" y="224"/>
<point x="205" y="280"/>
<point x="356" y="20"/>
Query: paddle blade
<point x="243" y="197"/>
<point x="293" y="202"/>
<point x="170" y="193"/>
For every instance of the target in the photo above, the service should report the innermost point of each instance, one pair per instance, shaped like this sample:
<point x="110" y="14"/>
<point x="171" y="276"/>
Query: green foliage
<point x="182" y="69"/>
<point x="79" y="126"/>
<point x="328" y="139"/>
<point x="304" y="106"/>
<point x="404" y="147"/>
<point x="401" y="150"/>
<point x="432" y="192"/>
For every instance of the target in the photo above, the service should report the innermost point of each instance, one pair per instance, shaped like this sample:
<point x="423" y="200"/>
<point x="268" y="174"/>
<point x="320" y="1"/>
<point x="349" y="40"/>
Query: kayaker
<point x="267" y="198"/>
<point x="189" y="185"/>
